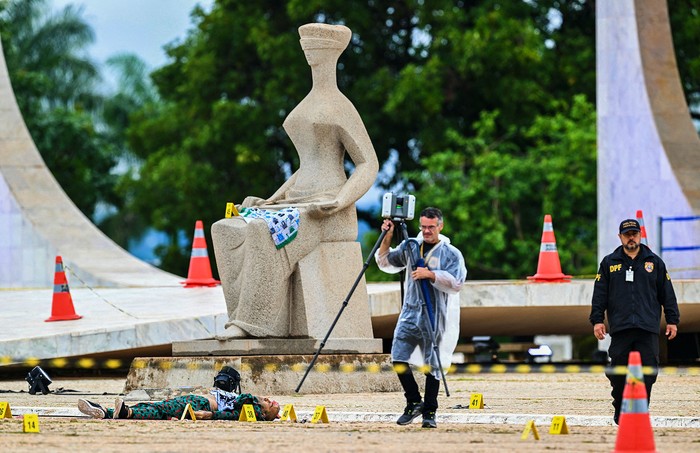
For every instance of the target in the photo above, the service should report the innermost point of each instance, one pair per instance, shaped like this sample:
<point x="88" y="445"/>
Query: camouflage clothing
<point x="174" y="408"/>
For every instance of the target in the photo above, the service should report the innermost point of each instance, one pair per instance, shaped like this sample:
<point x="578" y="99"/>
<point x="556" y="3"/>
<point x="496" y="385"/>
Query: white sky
<point x="142" y="27"/>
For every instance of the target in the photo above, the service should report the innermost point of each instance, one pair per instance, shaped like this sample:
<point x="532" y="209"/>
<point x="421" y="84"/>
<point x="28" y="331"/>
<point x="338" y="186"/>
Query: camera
<point x="398" y="207"/>
<point x="38" y="381"/>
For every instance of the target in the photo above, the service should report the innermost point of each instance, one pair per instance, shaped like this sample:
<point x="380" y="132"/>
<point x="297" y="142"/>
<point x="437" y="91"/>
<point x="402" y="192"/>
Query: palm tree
<point x="47" y="58"/>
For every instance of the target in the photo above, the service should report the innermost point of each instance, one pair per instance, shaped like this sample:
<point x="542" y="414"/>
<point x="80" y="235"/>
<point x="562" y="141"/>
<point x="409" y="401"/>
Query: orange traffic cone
<point x="634" y="432"/>
<point x="62" y="305"/>
<point x="549" y="267"/>
<point x="640" y="219"/>
<point x="199" y="273"/>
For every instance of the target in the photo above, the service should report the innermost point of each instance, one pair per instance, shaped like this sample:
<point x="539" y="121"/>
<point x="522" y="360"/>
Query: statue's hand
<point x="323" y="209"/>
<point x="250" y="202"/>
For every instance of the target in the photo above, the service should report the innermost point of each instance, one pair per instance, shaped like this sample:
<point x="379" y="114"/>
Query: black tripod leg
<point x="345" y="304"/>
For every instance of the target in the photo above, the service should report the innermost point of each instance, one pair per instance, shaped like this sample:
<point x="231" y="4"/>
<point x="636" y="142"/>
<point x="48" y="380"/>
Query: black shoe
<point x="121" y="410"/>
<point x="429" y="420"/>
<point x="412" y="411"/>
<point x="616" y="419"/>
<point x="94" y="410"/>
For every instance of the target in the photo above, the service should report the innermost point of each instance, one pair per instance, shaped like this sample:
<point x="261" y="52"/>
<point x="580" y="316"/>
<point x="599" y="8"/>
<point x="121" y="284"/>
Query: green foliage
<point x="685" y="23"/>
<point x="499" y="140"/>
<point x="495" y="191"/>
<point x="77" y="152"/>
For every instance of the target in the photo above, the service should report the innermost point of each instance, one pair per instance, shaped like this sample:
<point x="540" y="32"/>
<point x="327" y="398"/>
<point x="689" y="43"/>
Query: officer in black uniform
<point x="632" y="285"/>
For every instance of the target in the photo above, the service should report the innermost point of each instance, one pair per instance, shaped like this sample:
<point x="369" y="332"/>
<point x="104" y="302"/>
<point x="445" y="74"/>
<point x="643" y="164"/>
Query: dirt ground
<point x="569" y="395"/>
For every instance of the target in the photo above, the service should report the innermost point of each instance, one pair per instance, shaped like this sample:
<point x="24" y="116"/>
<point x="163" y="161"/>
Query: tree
<point x="498" y="191"/>
<point x="511" y="162"/>
<point x="685" y="23"/>
<point x="509" y="120"/>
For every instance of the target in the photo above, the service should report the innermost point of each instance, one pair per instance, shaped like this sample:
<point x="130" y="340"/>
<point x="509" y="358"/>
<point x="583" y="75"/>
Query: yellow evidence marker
<point x="30" y="424"/>
<point x="231" y="210"/>
<point x="288" y="413"/>
<point x="558" y="425"/>
<point x="530" y="428"/>
<point x="5" y="411"/>
<point x="188" y="413"/>
<point x="320" y="414"/>
<point x="476" y="401"/>
<point x="247" y="414"/>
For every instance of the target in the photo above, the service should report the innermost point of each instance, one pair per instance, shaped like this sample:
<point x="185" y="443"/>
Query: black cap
<point x="629" y="225"/>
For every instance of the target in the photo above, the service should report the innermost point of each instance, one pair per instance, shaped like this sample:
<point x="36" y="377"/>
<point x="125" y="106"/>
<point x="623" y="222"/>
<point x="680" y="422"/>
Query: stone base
<point x="154" y="378"/>
<point x="275" y="346"/>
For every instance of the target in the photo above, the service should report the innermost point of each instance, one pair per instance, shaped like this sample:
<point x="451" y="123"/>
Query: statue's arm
<point x="359" y="147"/>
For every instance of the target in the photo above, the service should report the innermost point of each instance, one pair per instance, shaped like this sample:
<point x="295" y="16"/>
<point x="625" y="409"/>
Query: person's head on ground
<point x="270" y="408"/>
<point x="431" y="224"/>
<point x="630" y="236"/>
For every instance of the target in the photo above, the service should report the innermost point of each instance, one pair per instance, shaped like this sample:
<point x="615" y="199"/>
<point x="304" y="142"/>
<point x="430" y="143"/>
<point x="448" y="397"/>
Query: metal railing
<point x="683" y="248"/>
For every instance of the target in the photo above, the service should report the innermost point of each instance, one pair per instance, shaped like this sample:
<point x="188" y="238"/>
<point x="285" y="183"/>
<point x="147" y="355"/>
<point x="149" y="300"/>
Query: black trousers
<point x="411" y="391"/>
<point x="622" y="343"/>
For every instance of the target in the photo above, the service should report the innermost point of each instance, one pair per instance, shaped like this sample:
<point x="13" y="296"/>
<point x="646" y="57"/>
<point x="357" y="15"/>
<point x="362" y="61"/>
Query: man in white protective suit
<point x="438" y="275"/>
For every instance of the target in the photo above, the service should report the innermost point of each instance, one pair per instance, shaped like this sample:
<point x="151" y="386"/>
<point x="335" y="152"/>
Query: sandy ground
<point x="569" y="395"/>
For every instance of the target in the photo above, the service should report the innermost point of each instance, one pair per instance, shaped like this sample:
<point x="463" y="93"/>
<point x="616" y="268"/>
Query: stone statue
<point x="269" y="290"/>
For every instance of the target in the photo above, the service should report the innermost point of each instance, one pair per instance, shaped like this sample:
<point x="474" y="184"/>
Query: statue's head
<point x="324" y="36"/>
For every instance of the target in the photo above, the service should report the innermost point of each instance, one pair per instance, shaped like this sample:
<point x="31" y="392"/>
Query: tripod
<point x="428" y="310"/>
<point x="345" y="304"/>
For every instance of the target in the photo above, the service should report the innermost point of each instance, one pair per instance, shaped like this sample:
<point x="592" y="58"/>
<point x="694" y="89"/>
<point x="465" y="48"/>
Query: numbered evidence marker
<point x="231" y="210"/>
<point x="5" y="411"/>
<point x="530" y="428"/>
<point x="320" y="414"/>
<point x="30" y="423"/>
<point x="476" y="401"/>
<point x="188" y="413"/>
<point x="247" y="414"/>
<point x="558" y="425"/>
<point x="288" y="413"/>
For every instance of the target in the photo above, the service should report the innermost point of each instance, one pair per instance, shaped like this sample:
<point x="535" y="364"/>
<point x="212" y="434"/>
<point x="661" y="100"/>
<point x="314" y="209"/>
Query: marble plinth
<point x="162" y="377"/>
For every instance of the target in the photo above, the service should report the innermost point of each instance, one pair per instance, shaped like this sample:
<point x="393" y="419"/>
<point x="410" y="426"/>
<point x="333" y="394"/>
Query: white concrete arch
<point x="38" y="221"/>
<point x="648" y="149"/>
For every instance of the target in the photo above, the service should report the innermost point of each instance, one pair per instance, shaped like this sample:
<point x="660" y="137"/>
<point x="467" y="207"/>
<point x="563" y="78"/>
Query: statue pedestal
<point x="152" y="378"/>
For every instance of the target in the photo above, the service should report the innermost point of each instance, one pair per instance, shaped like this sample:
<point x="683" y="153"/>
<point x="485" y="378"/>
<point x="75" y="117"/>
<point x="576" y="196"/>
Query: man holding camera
<point x="436" y="279"/>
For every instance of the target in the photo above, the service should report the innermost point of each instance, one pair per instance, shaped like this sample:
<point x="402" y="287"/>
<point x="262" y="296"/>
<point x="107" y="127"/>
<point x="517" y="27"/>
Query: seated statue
<point x="258" y="275"/>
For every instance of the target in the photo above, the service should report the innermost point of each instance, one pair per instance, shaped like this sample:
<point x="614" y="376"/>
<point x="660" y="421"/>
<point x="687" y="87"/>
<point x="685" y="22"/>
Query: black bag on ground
<point x="228" y="380"/>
